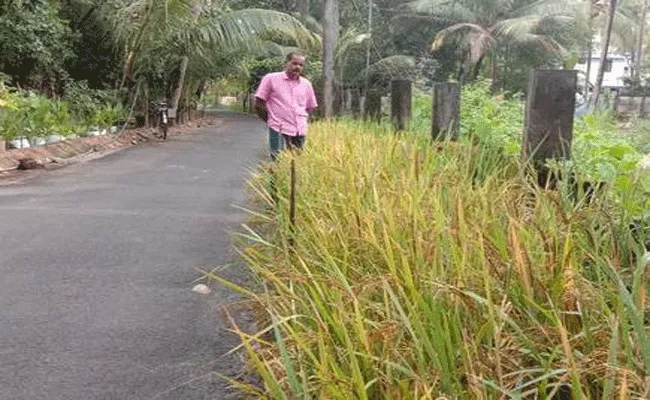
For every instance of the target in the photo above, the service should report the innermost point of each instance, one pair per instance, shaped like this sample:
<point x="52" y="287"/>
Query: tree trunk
<point x="588" y="72"/>
<point x="130" y="51"/>
<point x="590" y="49"/>
<point x="368" y="42"/>
<point x="303" y="7"/>
<point x="176" y="98"/>
<point x="330" y="36"/>
<point x="196" y="12"/>
<point x="477" y="67"/>
<point x="146" y="105"/>
<point x="603" y="56"/>
<point x="638" y="54"/>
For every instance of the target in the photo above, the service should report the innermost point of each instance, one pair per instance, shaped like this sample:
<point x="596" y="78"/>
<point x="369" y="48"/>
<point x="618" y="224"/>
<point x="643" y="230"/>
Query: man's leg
<point x="294" y="142"/>
<point x="276" y="143"/>
<point x="299" y="142"/>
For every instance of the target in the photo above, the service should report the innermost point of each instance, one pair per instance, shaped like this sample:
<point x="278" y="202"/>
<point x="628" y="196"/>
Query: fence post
<point x="292" y="202"/>
<point x="548" y="125"/>
<point x="401" y="97"/>
<point x="373" y="105"/>
<point x="445" y="116"/>
<point x="346" y="100"/>
<point x="355" y="102"/>
<point x="337" y="103"/>
<point x="642" y="106"/>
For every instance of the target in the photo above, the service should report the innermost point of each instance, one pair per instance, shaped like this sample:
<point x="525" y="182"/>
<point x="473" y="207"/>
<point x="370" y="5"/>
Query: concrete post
<point x="373" y="105"/>
<point x="355" y="102"/>
<point x="445" y="116"/>
<point x="548" y="126"/>
<point x="401" y="98"/>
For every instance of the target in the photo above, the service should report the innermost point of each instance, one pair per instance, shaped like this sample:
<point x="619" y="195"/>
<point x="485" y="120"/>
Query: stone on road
<point x="98" y="262"/>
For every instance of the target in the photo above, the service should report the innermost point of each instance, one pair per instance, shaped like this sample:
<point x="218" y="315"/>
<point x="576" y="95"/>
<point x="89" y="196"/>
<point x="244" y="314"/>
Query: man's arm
<point x="261" y="96"/>
<point x="260" y="109"/>
<point x="312" y="104"/>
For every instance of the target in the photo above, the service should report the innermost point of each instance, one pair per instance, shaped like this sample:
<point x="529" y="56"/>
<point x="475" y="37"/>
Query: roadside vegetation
<point x="420" y="270"/>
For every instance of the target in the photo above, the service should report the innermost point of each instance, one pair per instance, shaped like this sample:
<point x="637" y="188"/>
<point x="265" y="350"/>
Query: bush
<point x="93" y="108"/>
<point x="32" y="115"/>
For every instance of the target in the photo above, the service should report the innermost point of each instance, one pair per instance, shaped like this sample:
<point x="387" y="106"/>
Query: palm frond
<point x="528" y="29"/>
<point x="388" y="68"/>
<point x="239" y="28"/>
<point x="547" y="8"/>
<point x="462" y="29"/>
<point x="270" y="49"/>
<point x="446" y="11"/>
<point x="348" y="41"/>
<point x="474" y="39"/>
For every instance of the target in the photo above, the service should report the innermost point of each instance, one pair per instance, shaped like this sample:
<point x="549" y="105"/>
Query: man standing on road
<point x="284" y="101"/>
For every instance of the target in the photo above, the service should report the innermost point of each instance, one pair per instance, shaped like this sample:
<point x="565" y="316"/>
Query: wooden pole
<point x="292" y="202"/>
<point x="401" y="97"/>
<point x="445" y="116"/>
<point x="146" y="105"/>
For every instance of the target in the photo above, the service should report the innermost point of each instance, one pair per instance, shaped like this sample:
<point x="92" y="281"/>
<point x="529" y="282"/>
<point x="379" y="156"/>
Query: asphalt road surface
<point x="97" y="262"/>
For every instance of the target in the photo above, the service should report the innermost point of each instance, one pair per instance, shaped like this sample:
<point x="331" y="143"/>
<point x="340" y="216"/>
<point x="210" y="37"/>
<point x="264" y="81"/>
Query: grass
<point x="420" y="271"/>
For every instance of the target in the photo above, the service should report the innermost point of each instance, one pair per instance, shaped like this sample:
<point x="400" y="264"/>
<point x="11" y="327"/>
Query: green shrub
<point x="93" y="108"/>
<point x="31" y="115"/>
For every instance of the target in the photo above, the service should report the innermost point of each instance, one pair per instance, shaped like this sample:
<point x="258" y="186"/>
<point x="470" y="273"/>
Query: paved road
<point x="97" y="262"/>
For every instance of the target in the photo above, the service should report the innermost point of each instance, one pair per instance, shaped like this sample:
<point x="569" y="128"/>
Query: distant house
<point x="617" y="68"/>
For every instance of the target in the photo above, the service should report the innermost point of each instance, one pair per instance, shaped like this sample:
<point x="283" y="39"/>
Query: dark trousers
<point x="279" y="141"/>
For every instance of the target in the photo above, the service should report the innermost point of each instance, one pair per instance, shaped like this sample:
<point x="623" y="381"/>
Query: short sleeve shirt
<point x="287" y="101"/>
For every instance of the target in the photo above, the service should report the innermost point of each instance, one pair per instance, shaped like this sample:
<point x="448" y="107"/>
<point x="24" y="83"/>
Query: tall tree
<point x="604" y="51"/>
<point x="35" y="43"/>
<point x="175" y="34"/>
<point x="638" y="53"/>
<point x="478" y="25"/>
<point x="185" y="60"/>
<point x="303" y="7"/>
<point x="330" y="37"/>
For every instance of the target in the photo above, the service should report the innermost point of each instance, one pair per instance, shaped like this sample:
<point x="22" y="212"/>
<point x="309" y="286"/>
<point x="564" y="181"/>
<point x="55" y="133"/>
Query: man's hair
<point x="291" y="54"/>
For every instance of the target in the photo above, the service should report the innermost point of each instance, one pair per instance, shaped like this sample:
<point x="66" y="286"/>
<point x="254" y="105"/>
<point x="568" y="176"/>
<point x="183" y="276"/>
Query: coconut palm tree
<point x="611" y="14"/>
<point x="330" y="37"/>
<point x="182" y="30"/>
<point x="479" y="26"/>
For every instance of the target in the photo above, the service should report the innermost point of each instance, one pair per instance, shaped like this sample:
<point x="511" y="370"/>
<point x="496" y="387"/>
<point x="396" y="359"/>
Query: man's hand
<point x="260" y="109"/>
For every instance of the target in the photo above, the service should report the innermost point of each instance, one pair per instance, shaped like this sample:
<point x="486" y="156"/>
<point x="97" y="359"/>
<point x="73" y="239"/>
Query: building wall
<point x="614" y="76"/>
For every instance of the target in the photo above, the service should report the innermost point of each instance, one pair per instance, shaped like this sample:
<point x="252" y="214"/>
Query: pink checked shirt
<point x="287" y="101"/>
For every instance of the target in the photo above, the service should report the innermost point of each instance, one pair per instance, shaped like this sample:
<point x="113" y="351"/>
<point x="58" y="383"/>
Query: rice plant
<point x="421" y="270"/>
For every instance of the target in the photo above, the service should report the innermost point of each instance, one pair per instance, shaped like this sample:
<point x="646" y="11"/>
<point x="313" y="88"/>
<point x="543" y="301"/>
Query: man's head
<point x="294" y="63"/>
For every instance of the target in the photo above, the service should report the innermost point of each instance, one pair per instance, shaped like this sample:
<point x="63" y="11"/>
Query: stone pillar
<point x="548" y="125"/>
<point x="373" y="105"/>
<point x="401" y="97"/>
<point x="445" y="116"/>
<point x="355" y="102"/>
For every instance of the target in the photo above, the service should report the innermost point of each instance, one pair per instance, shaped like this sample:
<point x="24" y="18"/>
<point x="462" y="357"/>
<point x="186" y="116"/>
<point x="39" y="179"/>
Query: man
<point x="284" y="101"/>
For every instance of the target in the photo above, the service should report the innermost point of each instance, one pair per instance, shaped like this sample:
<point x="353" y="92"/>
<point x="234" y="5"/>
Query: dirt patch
<point x="70" y="151"/>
